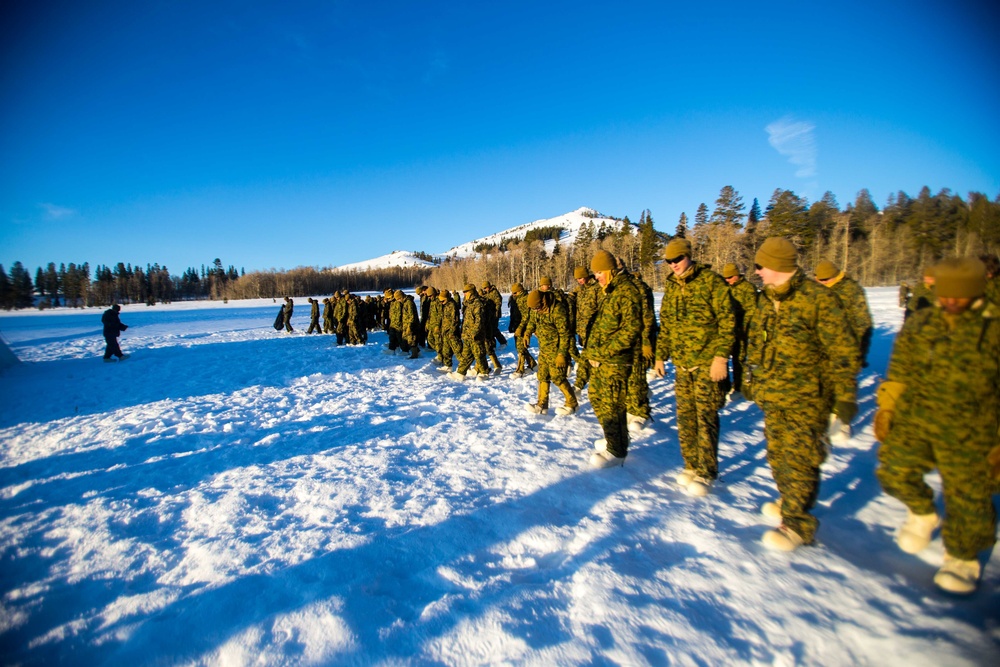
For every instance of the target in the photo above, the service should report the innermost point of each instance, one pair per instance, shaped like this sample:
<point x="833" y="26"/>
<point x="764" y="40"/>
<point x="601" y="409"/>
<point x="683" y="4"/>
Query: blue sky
<point x="322" y="133"/>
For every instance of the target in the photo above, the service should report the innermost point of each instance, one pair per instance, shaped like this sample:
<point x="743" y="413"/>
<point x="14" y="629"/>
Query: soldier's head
<point x="444" y="295"/>
<point x="398" y="295"/>
<point x="776" y="261"/>
<point x="992" y="263"/>
<point x="678" y="255"/>
<point x="469" y="290"/>
<point x="538" y="300"/>
<point x="604" y="267"/>
<point x="421" y="289"/>
<point x="517" y="289"/>
<point x="545" y="283"/>
<point x="827" y="273"/>
<point x="731" y="274"/>
<point x="431" y="292"/>
<point x="486" y="286"/>
<point x="958" y="283"/>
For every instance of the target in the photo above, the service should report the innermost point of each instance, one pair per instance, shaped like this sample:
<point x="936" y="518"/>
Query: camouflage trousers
<point x="451" y="344"/>
<point x="958" y="449"/>
<point x="796" y="449"/>
<point x="608" y="387"/>
<point x="547" y="369"/>
<point x="314" y="326"/>
<point x="473" y="349"/>
<point x="637" y="397"/>
<point x="698" y="403"/>
<point x="582" y="367"/>
<point x="524" y="358"/>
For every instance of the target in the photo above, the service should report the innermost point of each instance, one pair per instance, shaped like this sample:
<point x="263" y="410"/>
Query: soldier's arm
<point x="725" y="321"/>
<point x="663" y="339"/>
<point x="839" y="345"/>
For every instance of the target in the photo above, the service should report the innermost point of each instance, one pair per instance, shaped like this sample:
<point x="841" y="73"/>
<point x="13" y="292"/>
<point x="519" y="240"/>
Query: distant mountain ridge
<point x="571" y="223"/>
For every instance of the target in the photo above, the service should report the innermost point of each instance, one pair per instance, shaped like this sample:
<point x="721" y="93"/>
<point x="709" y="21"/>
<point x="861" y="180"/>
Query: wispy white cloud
<point x="796" y="140"/>
<point x="54" y="212"/>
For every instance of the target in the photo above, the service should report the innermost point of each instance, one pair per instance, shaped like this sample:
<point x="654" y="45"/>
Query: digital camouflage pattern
<point x="340" y="317"/>
<point x="744" y="296"/>
<point x="947" y="416"/>
<point x="801" y="356"/>
<point x="519" y="316"/>
<point x="451" y="330"/>
<point x="410" y="322"/>
<point x="551" y="327"/>
<point x="585" y="298"/>
<point x="855" y="304"/>
<point x="473" y="335"/>
<point x="637" y="394"/>
<point x="921" y="296"/>
<point x="434" y="310"/>
<point x="611" y="343"/>
<point x="697" y="324"/>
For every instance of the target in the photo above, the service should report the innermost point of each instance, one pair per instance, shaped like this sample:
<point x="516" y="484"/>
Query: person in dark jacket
<point x="113" y="328"/>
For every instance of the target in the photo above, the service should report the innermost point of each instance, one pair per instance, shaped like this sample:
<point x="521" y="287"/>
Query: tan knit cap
<point x="777" y="254"/>
<point x="469" y="287"/>
<point x="962" y="278"/>
<point x="534" y="299"/>
<point x="678" y="247"/>
<point x="545" y="280"/>
<point x="516" y="288"/>
<point x="826" y="270"/>
<point x="580" y="272"/>
<point x="603" y="261"/>
<point x="730" y="271"/>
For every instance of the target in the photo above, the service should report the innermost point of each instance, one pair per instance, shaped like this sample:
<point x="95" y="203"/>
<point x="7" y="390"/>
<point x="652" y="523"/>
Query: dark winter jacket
<point x="113" y="326"/>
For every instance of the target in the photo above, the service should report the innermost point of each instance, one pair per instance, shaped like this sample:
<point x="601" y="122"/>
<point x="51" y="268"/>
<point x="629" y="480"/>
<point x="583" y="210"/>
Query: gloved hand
<point x="561" y="361"/>
<point x="994" y="460"/>
<point x="719" y="370"/>
<point x="882" y="424"/>
<point x="845" y="410"/>
<point x="647" y="353"/>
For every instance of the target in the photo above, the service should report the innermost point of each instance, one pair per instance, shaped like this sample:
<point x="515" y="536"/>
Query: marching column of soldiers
<point x="795" y="348"/>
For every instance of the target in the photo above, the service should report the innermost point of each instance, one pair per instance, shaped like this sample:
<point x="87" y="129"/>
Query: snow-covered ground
<point x="232" y="495"/>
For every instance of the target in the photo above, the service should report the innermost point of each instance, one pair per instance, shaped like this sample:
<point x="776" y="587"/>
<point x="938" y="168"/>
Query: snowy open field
<point x="231" y="495"/>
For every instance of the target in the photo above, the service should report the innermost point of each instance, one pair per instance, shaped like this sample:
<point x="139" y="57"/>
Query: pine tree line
<point x="876" y="246"/>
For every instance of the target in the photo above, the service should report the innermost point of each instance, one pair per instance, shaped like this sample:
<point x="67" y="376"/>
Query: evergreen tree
<point x="23" y="289"/>
<point x="649" y="242"/>
<point x="701" y="215"/>
<point x="788" y="217"/>
<point x="728" y="208"/>
<point x="754" y="216"/>
<point x="682" y="226"/>
<point x="6" y="290"/>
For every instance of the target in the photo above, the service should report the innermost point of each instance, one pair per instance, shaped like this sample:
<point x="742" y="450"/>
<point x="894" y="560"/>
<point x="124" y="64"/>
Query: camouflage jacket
<point x="396" y="315"/>
<point x="744" y="304"/>
<point x="450" y="323"/>
<point x="993" y="290"/>
<point x="492" y="295"/>
<point x="587" y="296"/>
<point x="801" y="350"/>
<point x="617" y="326"/>
<point x="340" y="313"/>
<point x="474" y="318"/>
<point x="648" y="311"/>
<point x="696" y="319"/>
<point x="551" y="327"/>
<point x="411" y="319"/>
<point x="855" y="304"/>
<point x="434" y="312"/>
<point x="949" y="367"/>
<point x="519" y="311"/>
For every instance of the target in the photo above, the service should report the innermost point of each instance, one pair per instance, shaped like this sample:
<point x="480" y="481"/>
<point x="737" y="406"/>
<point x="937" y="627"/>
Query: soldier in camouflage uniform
<point x="433" y="329"/>
<point x="801" y="356"/>
<point x="395" y="329"/>
<point x="922" y="295"/>
<point x="289" y="308"/>
<point x="611" y="342"/>
<point x="517" y="304"/>
<point x="549" y="322"/>
<point x="854" y="302"/>
<point x="313" y="316"/>
<point x="697" y="332"/>
<point x="940" y="408"/>
<point x="637" y="397"/>
<point x="587" y="292"/>
<point x="410" y="324"/>
<point x="340" y="316"/>
<point x="492" y="305"/>
<point x="474" y="335"/>
<point x="451" y="331"/>
<point x="385" y="314"/>
<point x="425" y="313"/>
<point x="744" y="296"/>
<point x="327" y="316"/>
<point x="904" y="294"/>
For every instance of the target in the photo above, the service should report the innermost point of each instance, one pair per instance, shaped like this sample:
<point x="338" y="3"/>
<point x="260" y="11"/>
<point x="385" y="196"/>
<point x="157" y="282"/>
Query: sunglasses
<point x="757" y="267"/>
<point x="675" y="260"/>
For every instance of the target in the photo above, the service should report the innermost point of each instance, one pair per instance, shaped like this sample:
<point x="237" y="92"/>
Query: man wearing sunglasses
<point x="697" y="332"/>
<point x="801" y="357"/>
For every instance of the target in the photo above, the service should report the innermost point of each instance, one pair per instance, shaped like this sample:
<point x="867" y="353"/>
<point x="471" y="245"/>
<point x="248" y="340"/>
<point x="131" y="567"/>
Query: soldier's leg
<point x="492" y="350"/>
<point x="970" y="516"/>
<point x="709" y="397"/>
<point x="637" y="398"/>
<point x="607" y="396"/>
<point x="687" y="421"/>
<point x="479" y="350"/>
<point x="466" y="357"/>
<point x="904" y="458"/>
<point x="795" y="452"/>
